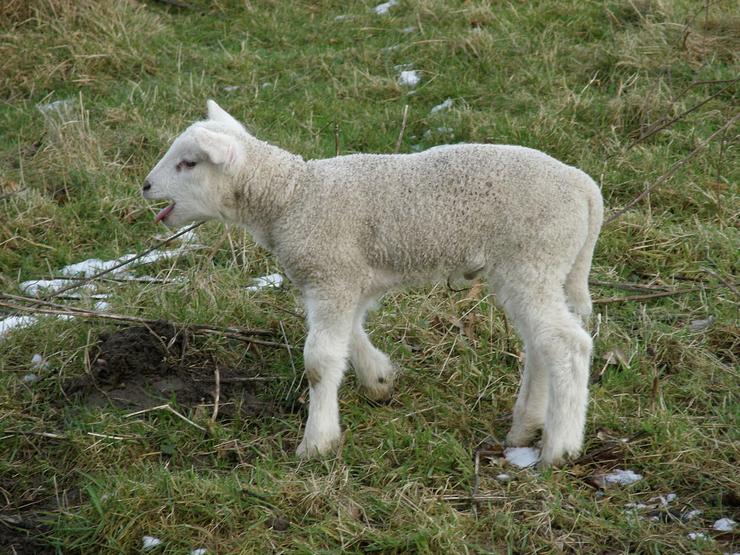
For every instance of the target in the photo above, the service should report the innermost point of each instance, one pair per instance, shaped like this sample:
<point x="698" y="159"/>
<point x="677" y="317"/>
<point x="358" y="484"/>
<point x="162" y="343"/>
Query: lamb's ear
<point x="219" y="148"/>
<point x="216" y="113"/>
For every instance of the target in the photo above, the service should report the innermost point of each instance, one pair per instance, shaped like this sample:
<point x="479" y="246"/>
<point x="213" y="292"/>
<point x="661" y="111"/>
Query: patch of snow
<point x="56" y="106"/>
<point x="271" y="280"/>
<point x="231" y="88"/>
<point x="409" y="78"/>
<point x="522" y="457"/>
<point x="439" y="130"/>
<point x="696" y="536"/>
<point x="92" y="266"/>
<point x="102" y="306"/>
<point x="446" y="105"/>
<point x="503" y="477"/>
<point x="724" y="525"/>
<point x="411" y="29"/>
<point x="690" y="515"/>
<point x="384" y="8"/>
<point x="199" y="551"/>
<point x="343" y="17"/>
<point x="30" y="378"/>
<point x="266" y="85"/>
<point x="12" y="322"/>
<point x="150" y="542"/>
<point x="37" y="361"/>
<point x="622" y="477"/>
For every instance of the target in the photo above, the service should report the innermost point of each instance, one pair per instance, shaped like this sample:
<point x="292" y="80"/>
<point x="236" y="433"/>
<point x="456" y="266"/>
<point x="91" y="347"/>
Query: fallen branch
<point x="46" y="307"/>
<point x="671" y="171"/>
<point x="157" y="245"/>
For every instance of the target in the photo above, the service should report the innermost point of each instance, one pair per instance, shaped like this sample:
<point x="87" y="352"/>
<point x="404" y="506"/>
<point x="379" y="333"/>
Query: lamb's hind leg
<point x="566" y="349"/>
<point x="373" y="367"/>
<point x="562" y="351"/>
<point x="530" y="408"/>
<point x="330" y="315"/>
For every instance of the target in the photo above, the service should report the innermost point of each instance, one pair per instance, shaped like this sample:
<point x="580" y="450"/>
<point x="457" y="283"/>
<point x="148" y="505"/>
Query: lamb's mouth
<point x="164" y="213"/>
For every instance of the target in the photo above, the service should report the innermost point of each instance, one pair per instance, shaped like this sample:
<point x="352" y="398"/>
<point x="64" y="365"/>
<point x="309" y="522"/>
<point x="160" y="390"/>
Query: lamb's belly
<point x="412" y="276"/>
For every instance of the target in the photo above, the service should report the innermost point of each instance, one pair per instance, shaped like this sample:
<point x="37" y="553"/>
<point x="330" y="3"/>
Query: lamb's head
<point x="198" y="168"/>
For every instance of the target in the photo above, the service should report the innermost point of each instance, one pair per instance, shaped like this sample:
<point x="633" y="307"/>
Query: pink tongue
<point x="164" y="213"/>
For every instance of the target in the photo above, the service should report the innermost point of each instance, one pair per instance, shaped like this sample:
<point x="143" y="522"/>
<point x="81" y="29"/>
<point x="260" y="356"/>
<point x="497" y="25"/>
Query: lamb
<point x="348" y="229"/>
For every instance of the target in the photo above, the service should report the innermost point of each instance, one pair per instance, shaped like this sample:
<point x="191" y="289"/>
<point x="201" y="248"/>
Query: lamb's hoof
<point x="557" y="458"/>
<point x="381" y="389"/>
<point x="318" y="448"/>
<point x="379" y="393"/>
<point x="520" y="438"/>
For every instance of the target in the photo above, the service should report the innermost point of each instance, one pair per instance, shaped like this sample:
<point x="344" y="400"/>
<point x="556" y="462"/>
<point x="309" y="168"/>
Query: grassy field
<point x="623" y="89"/>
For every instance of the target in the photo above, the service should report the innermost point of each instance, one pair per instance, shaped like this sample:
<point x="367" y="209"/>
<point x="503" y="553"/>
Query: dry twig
<point x="403" y="128"/>
<point x="671" y="171"/>
<point x="168" y="408"/>
<point x="46" y="307"/>
<point x="157" y="245"/>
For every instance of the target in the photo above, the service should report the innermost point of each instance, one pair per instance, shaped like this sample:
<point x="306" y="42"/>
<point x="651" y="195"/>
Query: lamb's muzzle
<point x="347" y="229"/>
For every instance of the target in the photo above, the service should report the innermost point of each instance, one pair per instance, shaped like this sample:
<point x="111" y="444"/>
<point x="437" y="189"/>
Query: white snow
<point x="37" y="361"/>
<point x="271" y="280"/>
<point x="724" y="525"/>
<point x="696" y="536"/>
<point x="56" y="106"/>
<point x="102" y="306"/>
<point x="30" y="378"/>
<point x="409" y="30"/>
<point x="231" y="88"/>
<point x="199" y="551"/>
<point x="690" y="515"/>
<point x="385" y="7"/>
<point x="622" y="477"/>
<point x="34" y="286"/>
<point x="503" y="477"/>
<point x="150" y="542"/>
<point x="409" y="78"/>
<point x="446" y="105"/>
<point x="92" y="266"/>
<point x="12" y="322"/>
<point x="342" y="17"/>
<point x="522" y="456"/>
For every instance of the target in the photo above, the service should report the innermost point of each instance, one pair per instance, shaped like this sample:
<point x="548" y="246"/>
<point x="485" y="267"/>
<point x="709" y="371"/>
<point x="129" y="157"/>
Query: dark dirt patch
<point x="23" y="536"/>
<point x="140" y="367"/>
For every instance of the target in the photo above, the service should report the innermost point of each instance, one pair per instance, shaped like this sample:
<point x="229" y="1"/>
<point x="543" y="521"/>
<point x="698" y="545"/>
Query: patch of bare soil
<point x="140" y="367"/>
<point x="21" y="536"/>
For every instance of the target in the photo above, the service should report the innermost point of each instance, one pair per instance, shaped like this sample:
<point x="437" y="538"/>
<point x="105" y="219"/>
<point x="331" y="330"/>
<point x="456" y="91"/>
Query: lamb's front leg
<point x="325" y="359"/>
<point x="373" y="367"/>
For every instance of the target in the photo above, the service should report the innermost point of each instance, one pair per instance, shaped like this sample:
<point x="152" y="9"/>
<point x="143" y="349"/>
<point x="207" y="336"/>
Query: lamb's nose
<point x="146" y="186"/>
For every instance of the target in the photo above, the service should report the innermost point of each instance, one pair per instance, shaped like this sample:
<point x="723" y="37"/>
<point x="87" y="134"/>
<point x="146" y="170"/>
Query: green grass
<point x="579" y="80"/>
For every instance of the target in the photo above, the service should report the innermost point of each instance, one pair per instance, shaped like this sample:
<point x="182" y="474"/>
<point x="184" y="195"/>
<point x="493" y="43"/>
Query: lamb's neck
<point x="263" y="190"/>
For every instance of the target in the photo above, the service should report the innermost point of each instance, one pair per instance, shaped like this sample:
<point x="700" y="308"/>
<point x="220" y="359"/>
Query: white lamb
<point x="347" y="229"/>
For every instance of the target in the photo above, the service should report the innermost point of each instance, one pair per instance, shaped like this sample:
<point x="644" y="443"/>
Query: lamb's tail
<point x="576" y="283"/>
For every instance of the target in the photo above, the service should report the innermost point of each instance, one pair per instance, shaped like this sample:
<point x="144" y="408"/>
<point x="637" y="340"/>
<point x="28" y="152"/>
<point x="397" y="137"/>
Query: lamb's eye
<point x="185" y="163"/>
